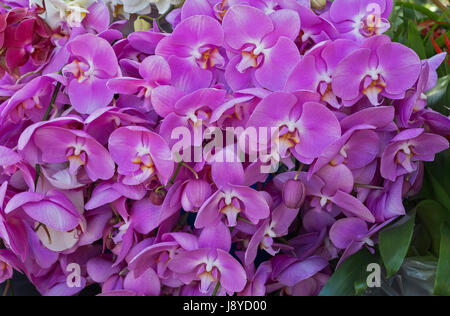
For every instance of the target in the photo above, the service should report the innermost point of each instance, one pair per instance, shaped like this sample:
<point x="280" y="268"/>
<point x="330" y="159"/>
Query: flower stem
<point x="368" y="186"/>
<point x="171" y="181"/>
<point x="298" y="171"/>
<point x="45" y="118"/>
<point x="36" y="177"/>
<point x="190" y="169"/>
<point x="216" y="289"/>
<point x="52" y="102"/>
<point x="7" y="286"/>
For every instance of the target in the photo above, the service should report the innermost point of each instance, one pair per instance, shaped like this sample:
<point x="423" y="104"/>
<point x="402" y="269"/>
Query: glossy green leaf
<point x="419" y="8"/>
<point x="440" y="169"/>
<point x="439" y="192"/>
<point x="348" y="278"/>
<point x="437" y="96"/>
<point x="394" y="243"/>
<point x="415" y="41"/>
<point x="442" y="285"/>
<point x="432" y="215"/>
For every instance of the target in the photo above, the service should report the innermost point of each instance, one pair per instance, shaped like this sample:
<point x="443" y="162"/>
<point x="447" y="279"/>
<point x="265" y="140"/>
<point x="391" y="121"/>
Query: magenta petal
<point x="209" y="212"/>
<point x="256" y="206"/>
<point x="349" y="74"/>
<point x="346" y="230"/>
<point x="100" y="268"/>
<point x="186" y="262"/>
<point x="400" y="65"/>
<point x="240" y="28"/>
<point x="302" y="270"/>
<point x="353" y="206"/>
<point x="90" y="95"/>
<point x="198" y="30"/>
<point x="253" y="245"/>
<point x="187" y="76"/>
<point x="148" y="284"/>
<point x="298" y="80"/>
<point x="164" y="99"/>
<point x="125" y="85"/>
<point x="226" y="173"/>
<point x="278" y="64"/>
<point x="155" y="69"/>
<point x="236" y="79"/>
<point x="145" y="216"/>
<point x="232" y="275"/>
<point x="215" y="237"/>
<point x="319" y="128"/>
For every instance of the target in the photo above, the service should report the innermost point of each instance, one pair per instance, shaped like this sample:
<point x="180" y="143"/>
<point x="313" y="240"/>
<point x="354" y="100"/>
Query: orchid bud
<point x="157" y="197"/>
<point x="318" y="4"/>
<point x="294" y="193"/>
<point x="141" y="25"/>
<point x="195" y="194"/>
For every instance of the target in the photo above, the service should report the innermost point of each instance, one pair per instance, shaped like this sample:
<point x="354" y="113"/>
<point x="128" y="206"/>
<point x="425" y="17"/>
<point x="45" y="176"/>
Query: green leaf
<point x="436" y="97"/>
<point x="442" y="285"/>
<point x="432" y="215"/>
<point x="415" y="41"/>
<point x="440" y="169"/>
<point x="394" y="243"/>
<point x="346" y="280"/>
<point x="418" y="8"/>
<point x="439" y="192"/>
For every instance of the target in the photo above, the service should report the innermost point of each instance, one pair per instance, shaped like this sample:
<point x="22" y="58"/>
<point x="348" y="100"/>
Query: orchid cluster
<point x="92" y="175"/>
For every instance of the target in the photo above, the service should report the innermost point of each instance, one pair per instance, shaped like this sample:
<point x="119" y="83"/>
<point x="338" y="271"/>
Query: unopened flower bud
<point x="195" y="194"/>
<point x="318" y="4"/>
<point x="141" y="25"/>
<point x="294" y="193"/>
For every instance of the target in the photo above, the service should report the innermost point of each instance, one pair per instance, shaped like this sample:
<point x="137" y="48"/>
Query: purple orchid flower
<point x="359" y="19"/>
<point x="282" y="217"/>
<point x="159" y="255"/>
<point x="110" y="191"/>
<point x="378" y="68"/>
<point x="154" y="70"/>
<point x="297" y="277"/>
<point x="406" y="149"/>
<point x="211" y="263"/>
<point x="411" y="108"/>
<point x="80" y="150"/>
<point x="54" y="209"/>
<point x="192" y="51"/>
<point x="140" y="155"/>
<point x="103" y="122"/>
<point x="320" y="64"/>
<point x="314" y="28"/>
<point x="238" y="108"/>
<point x="306" y="127"/>
<point x="31" y="101"/>
<point x="357" y="148"/>
<point x="387" y="203"/>
<point x="352" y="234"/>
<point x="257" y="282"/>
<point x="435" y="122"/>
<point x="232" y="198"/>
<point x="12" y="229"/>
<point x="332" y="185"/>
<point x="264" y="52"/>
<point x="192" y="111"/>
<point x="92" y="63"/>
